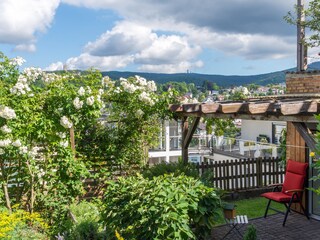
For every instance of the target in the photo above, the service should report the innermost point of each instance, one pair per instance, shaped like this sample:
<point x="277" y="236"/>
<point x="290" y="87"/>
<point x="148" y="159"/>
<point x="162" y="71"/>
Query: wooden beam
<point x="210" y="107"/>
<point x="260" y="107"/>
<point x="175" y="108"/>
<point x="306" y="135"/>
<point x="194" y="107"/>
<point x="262" y="117"/>
<point x="293" y="108"/>
<point x="191" y="131"/>
<point x="233" y="107"/>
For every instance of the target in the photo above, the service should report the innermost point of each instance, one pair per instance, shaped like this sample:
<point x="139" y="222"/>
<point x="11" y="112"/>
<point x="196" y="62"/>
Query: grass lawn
<point x="253" y="208"/>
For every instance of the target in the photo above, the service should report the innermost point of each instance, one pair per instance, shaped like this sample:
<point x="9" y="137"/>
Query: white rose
<point x="90" y="100"/>
<point x="16" y="143"/>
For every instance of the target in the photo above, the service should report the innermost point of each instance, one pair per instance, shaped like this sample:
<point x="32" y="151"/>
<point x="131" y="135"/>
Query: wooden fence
<point x="240" y="174"/>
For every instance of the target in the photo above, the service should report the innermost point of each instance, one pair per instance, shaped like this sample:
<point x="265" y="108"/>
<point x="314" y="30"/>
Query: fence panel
<point x="239" y="174"/>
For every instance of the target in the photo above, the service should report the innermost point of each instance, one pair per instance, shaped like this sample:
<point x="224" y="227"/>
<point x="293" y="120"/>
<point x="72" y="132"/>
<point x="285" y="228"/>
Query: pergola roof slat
<point x="281" y="109"/>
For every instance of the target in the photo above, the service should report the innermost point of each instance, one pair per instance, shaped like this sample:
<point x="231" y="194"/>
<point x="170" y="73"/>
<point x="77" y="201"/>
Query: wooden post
<point x="184" y="147"/>
<point x="301" y="48"/>
<point x="72" y="141"/>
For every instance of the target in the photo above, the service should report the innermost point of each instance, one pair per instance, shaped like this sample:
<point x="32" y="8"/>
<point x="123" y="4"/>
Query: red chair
<point x="292" y="188"/>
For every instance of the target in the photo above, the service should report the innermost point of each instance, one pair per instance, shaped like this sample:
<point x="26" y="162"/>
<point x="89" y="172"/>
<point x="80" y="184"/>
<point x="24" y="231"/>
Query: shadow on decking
<point x="297" y="227"/>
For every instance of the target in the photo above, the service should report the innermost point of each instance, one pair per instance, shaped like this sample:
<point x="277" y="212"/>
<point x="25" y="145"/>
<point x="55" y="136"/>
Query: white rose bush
<point x="54" y="127"/>
<point x="38" y="110"/>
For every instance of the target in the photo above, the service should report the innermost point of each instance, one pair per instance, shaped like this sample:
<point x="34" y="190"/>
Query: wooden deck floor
<point x="297" y="227"/>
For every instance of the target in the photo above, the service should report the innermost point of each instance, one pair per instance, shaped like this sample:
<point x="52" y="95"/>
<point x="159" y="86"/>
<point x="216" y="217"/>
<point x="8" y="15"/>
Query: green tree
<point x="312" y="19"/>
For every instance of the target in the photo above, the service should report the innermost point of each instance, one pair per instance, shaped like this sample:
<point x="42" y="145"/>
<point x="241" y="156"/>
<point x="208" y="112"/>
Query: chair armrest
<point x="294" y="190"/>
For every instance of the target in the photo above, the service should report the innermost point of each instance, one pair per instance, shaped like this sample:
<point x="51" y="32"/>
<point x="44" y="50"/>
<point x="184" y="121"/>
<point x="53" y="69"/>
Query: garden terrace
<point x="297" y="228"/>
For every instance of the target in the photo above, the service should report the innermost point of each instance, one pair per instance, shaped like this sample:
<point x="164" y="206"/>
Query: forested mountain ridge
<point x="221" y="80"/>
<point x="199" y="79"/>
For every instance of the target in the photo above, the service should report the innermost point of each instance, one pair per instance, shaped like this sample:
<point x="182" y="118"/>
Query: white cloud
<point x="25" y="47"/>
<point x="123" y="39"/>
<point x="85" y="61"/>
<point x="57" y="66"/>
<point x="21" y="20"/>
<point x="131" y="43"/>
<point x="167" y="50"/>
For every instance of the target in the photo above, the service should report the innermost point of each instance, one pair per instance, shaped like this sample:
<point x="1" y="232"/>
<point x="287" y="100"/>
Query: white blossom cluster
<point x="90" y="100"/>
<point x="145" y="97"/>
<point x="32" y="73"/>
<point x="128" y="87"/>
<point x="77" y="103"/>
<point x="5" y="129"/>
<point x="7" y="113"/>
<point x="21" y="87"/>
<point x="61" y="135"/>
<point x="17" y="61"/>
<point x="106" y="81"/>
<point x="81" y="91"/>
<point x="33" y="153"/>
<point x="139" y="113"/>
<point x="65" y="122"/>
<point x="64" y="143"/>
<point x="50" y="77"/>
<point x="139" y="84"/>
<point x="5" y="142"/>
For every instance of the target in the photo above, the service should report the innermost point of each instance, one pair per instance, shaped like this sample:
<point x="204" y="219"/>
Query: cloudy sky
<point x="241" y="37"/>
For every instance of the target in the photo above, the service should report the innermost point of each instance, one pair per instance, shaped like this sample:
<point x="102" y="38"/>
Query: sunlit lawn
<point x="253" y="208"/>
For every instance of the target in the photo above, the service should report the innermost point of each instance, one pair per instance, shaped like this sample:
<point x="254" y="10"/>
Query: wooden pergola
<point x="298" y="110"/>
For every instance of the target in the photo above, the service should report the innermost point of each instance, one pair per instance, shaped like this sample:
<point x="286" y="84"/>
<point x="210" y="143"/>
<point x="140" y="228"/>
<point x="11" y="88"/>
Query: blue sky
<point x="205" y="36"/>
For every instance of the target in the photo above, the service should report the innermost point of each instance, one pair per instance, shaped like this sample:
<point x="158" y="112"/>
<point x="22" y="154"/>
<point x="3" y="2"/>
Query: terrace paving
<point x="297" y="227"/>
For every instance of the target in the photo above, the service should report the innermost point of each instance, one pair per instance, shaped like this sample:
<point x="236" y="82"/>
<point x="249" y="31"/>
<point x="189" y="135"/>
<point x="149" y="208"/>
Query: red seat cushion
<point x="277" y="196"/>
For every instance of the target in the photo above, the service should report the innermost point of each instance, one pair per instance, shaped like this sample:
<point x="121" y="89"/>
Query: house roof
<point x="289" y="107"/>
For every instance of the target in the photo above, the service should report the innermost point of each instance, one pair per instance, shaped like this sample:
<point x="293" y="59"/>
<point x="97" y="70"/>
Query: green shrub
<point x="166" y="207"/>
<point x="178" y="168"/>
<point x="83" y="222"/>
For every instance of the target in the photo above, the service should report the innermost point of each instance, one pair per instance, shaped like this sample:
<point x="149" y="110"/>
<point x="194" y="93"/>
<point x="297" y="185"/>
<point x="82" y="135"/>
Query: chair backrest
<point x="295" y="175"/>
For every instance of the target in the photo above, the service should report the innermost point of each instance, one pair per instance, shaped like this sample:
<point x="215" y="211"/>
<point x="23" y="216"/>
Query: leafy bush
<point x="83" y="222"/>
<point x="177" y="169"/>
<point x="166" y="207"/>
<point x="22" y="225"/>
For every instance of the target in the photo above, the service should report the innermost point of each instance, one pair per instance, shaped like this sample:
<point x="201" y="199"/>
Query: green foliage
<point x="251" y="233"/>
<point x="84" y="222"/>
<point x="312" y="18"/>
<point x="283" y="147"/>
<point x="22" y="225"/>
<point x="221" y="127"/>
<point x="175" y="168"/>
<point x="166" y="207"/>
<point x="316" y="165"/>
<point x="40" y="111"/>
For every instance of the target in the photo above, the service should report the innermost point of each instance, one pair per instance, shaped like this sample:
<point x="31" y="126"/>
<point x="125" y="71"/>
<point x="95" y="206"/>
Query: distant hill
<point x="220" y="80"/>
<point x="198" y="79"/>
